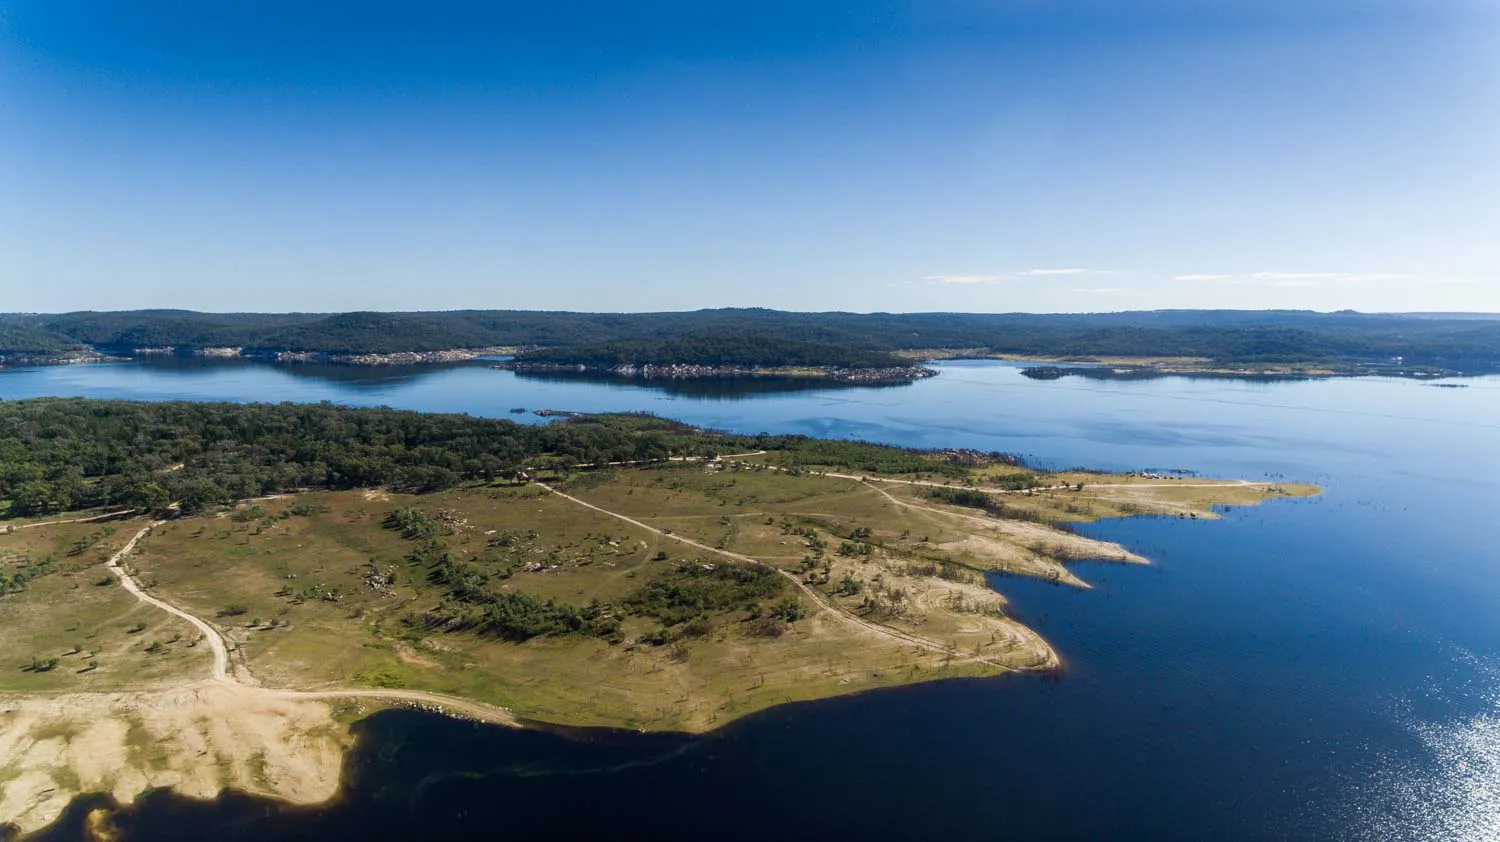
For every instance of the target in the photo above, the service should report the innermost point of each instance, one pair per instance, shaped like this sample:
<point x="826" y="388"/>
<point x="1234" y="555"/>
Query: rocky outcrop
<point x="54" y="359"/>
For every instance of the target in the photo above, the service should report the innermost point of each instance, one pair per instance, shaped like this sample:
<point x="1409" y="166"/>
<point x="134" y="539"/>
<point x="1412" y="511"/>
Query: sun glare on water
<point x="1454" y="792"/>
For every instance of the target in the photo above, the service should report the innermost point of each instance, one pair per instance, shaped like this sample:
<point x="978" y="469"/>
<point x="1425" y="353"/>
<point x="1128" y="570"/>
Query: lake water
<point x="1305" y="669"/>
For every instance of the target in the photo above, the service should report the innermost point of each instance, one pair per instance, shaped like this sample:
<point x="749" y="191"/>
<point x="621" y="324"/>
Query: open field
<point x="293" y="596"/>
<point x="70" y="609"/>
<point x="317" y="591"/>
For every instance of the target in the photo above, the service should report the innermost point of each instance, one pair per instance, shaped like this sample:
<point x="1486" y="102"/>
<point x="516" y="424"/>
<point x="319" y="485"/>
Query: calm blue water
<point x="1322" y="668"/>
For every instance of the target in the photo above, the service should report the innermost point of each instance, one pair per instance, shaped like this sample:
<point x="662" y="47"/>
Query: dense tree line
<point x="743" y="350"/>
<point x="27" y="340"/>
<point x="802" y="452"/>
<point x="61" y="454"/>
<point x="1225" y="336"/>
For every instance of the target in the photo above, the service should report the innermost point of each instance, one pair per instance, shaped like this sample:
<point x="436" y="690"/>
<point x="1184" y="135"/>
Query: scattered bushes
<point x="692" y="588"/>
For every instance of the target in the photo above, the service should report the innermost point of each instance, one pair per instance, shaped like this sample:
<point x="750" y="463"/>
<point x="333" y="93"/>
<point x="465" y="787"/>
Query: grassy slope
<point x="209" y="563"/>
<point x="68" y="609"/>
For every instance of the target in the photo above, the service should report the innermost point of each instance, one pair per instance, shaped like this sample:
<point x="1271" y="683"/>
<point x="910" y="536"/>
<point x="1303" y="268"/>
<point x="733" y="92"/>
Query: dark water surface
<point x="1309" y="669"/>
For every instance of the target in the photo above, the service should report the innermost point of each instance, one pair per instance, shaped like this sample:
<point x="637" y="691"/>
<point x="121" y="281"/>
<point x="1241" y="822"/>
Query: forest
<point x="1230" y="336"/>
<point x="741" y="350"/>
<point x="64" y="454"/>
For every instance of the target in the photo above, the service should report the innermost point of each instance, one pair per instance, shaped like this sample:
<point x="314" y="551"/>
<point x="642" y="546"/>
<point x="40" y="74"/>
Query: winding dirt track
<point x="89" y="519"/>
<point x="818" y="598"/>
<point x="222" y="675"/>
<point x="215" y="640"/>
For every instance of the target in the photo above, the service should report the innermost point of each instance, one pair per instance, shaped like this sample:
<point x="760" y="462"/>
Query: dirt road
<point x="822" y="601"/>
<point x="441" y="703"/>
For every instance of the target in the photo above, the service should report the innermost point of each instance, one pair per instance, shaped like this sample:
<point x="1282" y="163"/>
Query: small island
<point x="204" y="596"/>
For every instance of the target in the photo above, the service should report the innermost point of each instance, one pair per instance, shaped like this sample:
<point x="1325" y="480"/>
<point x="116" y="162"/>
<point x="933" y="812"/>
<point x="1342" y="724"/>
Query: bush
<point x="415" y="523"/>
<point x="699" y="626"/>
<point x="765" y="627"/>
<point x="692" y="588"/>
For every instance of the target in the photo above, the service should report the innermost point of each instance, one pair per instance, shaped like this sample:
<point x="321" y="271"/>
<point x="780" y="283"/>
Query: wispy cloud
<point x="1203" y="277"/>
<point x="1297" y="282"/>
<point x="970" y="279"/>
<point x="964" y="279"/>
<point x="1046" y="273"/>
<point x="1295" y="276"/>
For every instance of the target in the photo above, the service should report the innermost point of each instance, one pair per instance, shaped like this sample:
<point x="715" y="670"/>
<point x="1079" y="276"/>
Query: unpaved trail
<point x="222" y="675"/>
<point x="1050" y="657"/>
<point x="211" y="634"/>
<point x="929" y="483"/>
<point x="1023" y="531"/>
<point x="89" y="519"/>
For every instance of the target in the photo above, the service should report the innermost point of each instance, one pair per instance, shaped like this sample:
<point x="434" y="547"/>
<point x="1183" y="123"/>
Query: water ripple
<point x="1453" y="792"/>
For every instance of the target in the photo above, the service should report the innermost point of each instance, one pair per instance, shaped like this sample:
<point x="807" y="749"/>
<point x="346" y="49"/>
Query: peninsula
<point x="204" y="595"/>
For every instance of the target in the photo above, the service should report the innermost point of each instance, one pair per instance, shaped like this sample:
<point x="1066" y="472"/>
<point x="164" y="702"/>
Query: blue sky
<point x="978" y="155"/>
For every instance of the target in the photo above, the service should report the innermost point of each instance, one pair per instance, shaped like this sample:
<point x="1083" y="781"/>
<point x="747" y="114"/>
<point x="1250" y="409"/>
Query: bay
<point x="1318" y="668"/>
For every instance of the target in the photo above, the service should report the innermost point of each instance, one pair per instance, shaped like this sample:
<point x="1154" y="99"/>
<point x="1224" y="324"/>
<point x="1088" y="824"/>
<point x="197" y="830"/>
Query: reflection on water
<point x="359" y="378"/>
<point x="716" y="388"/>
<point x="378" y="378"/>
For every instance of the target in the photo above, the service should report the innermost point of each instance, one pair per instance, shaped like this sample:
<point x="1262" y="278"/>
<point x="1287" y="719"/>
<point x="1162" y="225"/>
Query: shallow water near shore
<point x="1319" y="668"/>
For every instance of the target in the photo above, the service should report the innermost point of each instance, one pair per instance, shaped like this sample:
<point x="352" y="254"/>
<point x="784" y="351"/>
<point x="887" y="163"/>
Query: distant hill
<point x="1469" y="342"/>
<point x="729" y="349"/>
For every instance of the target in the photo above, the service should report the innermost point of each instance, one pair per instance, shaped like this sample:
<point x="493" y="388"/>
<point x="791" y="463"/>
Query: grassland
<point x="71" y="614"/>
<point x="329" y="596"/>
<point x="697" y="592"/>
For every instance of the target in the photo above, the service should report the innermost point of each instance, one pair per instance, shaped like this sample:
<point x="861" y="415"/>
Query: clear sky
<point x="982" y="155"/>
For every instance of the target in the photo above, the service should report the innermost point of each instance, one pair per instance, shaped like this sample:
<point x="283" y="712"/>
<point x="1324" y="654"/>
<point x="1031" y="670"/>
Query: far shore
<point x="1054" y="366"/>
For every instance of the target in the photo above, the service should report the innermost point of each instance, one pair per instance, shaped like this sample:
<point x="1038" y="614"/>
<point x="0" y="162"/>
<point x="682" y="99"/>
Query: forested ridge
<point x="734" y="350"/>
<point x="1220" y="335"/>
<point x="63" y="454"/>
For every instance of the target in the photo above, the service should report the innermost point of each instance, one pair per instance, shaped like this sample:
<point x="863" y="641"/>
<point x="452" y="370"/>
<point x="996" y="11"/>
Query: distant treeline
<point x="1219" y="335"/>
<point x="62" y="454"/>
<point x="740" y="350"/>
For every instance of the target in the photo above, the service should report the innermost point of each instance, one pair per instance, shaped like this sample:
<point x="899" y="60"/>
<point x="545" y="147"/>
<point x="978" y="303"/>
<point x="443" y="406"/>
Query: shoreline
<point x="285" y="734"/>
<point x="1049" y="367"/>
<point x="685" y="371"/>
<point x="1106" y="367"/>
<point x="267" y="355"/>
